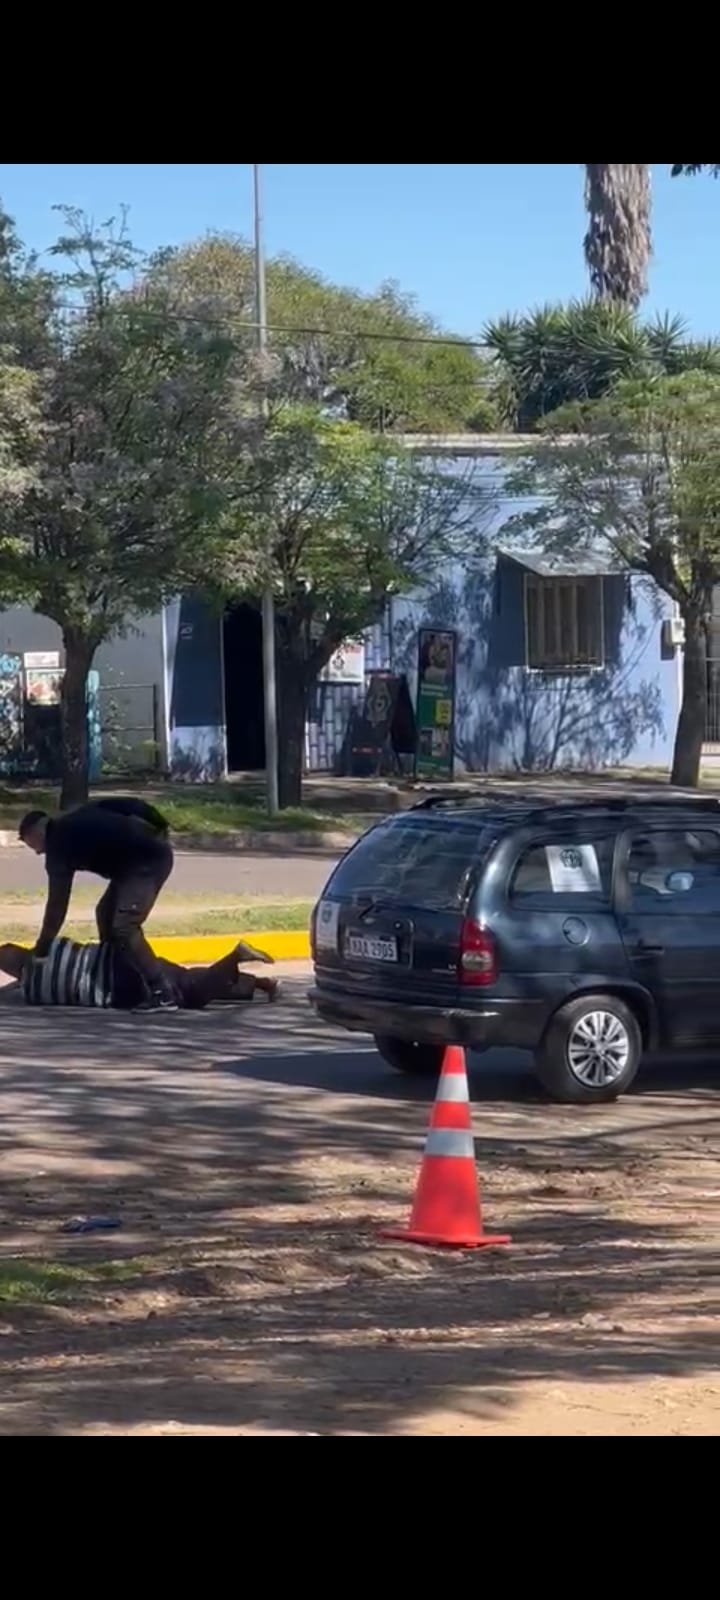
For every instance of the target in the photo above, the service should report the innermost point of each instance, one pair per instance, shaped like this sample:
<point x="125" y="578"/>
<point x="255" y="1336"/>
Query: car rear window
<point x="419" y="862"/>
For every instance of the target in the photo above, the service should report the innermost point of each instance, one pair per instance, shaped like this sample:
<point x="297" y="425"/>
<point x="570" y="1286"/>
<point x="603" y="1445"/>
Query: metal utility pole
<point x="268" y="601"/>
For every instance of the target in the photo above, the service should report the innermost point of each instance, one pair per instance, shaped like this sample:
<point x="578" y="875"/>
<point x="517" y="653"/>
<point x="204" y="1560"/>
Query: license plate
<point x="368" y="947"/>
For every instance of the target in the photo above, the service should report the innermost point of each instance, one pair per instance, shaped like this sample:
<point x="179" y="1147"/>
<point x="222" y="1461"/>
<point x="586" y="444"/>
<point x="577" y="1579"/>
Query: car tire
<point x="407" y="1055"/>
<point x="591" y="1051"/>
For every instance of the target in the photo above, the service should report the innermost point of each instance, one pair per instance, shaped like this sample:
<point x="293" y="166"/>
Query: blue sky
<point x="471" y="241"/>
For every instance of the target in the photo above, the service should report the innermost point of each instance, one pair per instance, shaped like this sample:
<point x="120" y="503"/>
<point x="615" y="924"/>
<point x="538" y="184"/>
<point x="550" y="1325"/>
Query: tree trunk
<point x="618" y="242"/>
<point x="74" y="719"/>
<point x="292" y="700"/>
<point x="691" y="722"/>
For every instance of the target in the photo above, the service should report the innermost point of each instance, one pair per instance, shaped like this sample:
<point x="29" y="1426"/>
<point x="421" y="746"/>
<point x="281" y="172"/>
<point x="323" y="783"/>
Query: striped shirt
<point x="71" y="974"/>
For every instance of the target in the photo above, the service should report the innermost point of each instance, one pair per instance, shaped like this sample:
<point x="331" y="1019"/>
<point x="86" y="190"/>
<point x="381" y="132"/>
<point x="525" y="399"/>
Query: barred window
<point x="563" y="623"/>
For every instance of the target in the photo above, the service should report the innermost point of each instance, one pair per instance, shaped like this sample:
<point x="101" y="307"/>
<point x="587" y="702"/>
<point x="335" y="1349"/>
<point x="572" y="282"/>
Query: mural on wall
<point x="11" y="703"/>
<point x="30" y="742"/>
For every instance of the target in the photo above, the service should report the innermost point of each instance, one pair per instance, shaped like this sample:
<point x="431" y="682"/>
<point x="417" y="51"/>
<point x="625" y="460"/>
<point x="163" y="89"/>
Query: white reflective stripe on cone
<point x="450" y="1142"/>
<point x="453" y="1086"/>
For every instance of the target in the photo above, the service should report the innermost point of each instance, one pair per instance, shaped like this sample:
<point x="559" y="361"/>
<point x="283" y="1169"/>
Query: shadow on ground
<point x="251" y="1160"/>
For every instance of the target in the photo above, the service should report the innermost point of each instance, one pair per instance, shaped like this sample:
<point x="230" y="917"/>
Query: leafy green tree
<point x="343" y="519"/>
<point x="341" y="514"/>
<point x="641" y="474"/>
<point x="25" y="295"/>
<point x="373" y="359"/>
<point x="688" y="169"/>
<point x="114" y="454"/>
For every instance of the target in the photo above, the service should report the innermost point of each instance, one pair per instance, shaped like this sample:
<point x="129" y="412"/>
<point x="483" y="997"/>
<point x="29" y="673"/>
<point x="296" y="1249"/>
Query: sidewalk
<point x="230" y="817"/>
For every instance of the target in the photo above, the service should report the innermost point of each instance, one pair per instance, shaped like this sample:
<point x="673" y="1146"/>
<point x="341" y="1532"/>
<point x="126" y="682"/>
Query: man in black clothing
<point x="130" y="805"/>
<point x="124" y="806"/>
<point x="136" y="858"/>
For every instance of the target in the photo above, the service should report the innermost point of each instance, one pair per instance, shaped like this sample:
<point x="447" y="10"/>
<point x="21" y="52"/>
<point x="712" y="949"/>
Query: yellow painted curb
<point x="203" y="949"/>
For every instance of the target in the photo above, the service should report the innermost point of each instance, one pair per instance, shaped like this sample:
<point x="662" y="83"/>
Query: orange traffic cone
<point x="446" y="1209"/>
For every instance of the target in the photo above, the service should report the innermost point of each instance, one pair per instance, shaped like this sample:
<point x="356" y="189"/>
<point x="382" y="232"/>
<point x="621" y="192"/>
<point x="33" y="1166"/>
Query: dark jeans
<point x="194" y="989"/>
<point x="125" y="906"/>
<point x="129" y="988"/>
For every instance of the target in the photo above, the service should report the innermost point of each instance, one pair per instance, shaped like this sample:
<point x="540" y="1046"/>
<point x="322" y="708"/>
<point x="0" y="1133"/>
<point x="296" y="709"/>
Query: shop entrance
<point x="244" y="711"/>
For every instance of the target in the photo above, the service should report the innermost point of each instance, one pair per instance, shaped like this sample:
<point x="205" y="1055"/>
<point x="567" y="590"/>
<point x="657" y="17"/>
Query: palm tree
<point x="559" y="354"/>
<point x="618" y="242"/>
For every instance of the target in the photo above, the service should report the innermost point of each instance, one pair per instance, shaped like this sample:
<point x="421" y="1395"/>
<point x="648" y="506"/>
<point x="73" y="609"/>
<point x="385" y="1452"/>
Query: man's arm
<point x="59" y="887"/>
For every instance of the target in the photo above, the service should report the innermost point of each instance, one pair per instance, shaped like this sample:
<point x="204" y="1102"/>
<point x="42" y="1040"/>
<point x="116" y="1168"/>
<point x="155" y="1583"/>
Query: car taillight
<point x="478" y="955"/>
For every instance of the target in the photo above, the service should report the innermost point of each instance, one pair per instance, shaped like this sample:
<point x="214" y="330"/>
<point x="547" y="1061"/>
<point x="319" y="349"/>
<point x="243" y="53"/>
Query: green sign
<point x="435" y="704"/>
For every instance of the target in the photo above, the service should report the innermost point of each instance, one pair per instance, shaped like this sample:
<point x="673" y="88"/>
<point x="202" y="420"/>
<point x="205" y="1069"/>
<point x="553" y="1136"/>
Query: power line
<point x="435" y="390"/>
<point x="392" y="338"/>
<point x="441" y="340"/>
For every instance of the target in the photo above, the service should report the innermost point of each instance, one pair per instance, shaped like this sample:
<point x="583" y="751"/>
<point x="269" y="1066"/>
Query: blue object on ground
<point x="91" y="1225"/>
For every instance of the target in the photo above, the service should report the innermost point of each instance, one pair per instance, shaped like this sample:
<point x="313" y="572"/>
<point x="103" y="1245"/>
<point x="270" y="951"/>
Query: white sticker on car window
<point x="326" y="925"/>
<point x="573" y="868"/>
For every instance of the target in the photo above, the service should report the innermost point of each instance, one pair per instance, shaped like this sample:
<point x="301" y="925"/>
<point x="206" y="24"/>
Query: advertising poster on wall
<point x="434" y="756"/>
<point x="43" y="688"/>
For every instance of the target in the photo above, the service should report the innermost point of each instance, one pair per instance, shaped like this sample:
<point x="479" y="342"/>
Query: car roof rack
<point x="617" y="806"/>
<point x="512" y="804"/>
<point x="430" y="801"/>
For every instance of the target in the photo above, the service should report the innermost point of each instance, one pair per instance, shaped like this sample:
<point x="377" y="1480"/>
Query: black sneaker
<point x="157" y="1002"/>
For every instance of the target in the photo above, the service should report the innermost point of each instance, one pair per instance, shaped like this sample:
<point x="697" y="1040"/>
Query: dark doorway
<point x="244" y="713"/>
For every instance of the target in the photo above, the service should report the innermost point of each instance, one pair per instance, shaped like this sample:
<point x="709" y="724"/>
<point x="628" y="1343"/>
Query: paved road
<point x="300" y="877"/>
<point x="250" y="1158"/>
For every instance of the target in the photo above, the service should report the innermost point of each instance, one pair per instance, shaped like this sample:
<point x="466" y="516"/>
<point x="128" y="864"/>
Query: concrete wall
<point x="130" y="671"/>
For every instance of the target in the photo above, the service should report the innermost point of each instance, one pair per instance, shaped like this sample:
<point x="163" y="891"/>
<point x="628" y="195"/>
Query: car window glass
<point x="564" y="867"/>
<point x="675" y="869"/>
<point x="416" y="861"/>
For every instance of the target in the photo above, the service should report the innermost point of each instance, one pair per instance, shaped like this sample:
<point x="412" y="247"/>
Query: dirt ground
<point x="251" y="1162"/>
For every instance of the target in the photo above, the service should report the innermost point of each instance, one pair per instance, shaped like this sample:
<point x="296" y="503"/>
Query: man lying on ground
<point x="74" y="974"/>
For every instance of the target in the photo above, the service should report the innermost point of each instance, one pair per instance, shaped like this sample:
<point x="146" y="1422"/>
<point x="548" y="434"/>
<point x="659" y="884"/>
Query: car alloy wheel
<point x="598" y="1049"/>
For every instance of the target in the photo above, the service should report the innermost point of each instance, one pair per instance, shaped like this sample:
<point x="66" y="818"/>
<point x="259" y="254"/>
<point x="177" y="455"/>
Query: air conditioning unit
<point x="672" y="637"/>
<point x="677" y="632"/>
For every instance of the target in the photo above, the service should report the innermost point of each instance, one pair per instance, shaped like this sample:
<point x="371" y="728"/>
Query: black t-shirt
<point x="130" y="805"/>
<point x="97" y="839"/>
<point x="94" y="839"/>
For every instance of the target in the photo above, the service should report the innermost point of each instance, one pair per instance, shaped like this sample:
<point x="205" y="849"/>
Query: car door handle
<point x="644" y="947"/>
